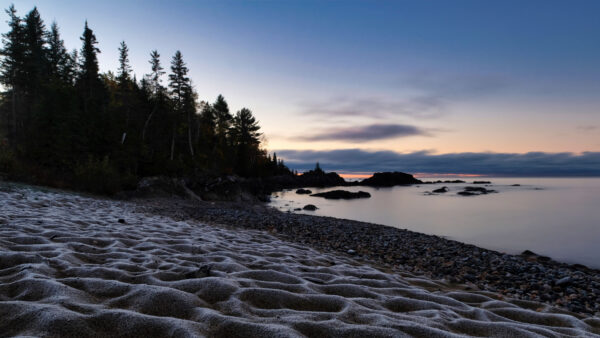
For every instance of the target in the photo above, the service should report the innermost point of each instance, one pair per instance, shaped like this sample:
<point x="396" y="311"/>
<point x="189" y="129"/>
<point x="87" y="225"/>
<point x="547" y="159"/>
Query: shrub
<point x="98" y="176"/>
<point x="7" y="159"/>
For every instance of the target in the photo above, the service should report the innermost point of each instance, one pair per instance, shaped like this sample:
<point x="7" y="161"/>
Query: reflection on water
<point x="556" y="217"/>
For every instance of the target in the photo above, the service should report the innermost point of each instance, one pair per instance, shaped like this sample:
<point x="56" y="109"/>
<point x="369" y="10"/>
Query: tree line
<point x="61" y="118"/>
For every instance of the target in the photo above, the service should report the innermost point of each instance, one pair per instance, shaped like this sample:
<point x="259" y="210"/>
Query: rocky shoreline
<point x="528" y="277"/>
<point x="80" y="266"/>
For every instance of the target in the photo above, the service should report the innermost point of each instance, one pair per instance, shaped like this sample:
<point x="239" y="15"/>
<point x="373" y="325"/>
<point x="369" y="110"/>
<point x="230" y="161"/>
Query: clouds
<point x="418" y="106"/>
<point x="587" y="128"/>
<point x="458" y="86"/>
<point x="502" y="164"/>
<point x="422" y="95"/>
<point x="365" y="133"/>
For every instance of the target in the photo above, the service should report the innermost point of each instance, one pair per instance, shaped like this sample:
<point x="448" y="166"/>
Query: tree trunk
<point x="14" y="118"/>
<point x="190" y="135"/>
<point x="173" y="145"/>
<point x="147" y="123"/>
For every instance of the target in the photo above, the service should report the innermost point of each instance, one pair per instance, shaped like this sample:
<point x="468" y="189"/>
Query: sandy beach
<point x="75" y="266"/>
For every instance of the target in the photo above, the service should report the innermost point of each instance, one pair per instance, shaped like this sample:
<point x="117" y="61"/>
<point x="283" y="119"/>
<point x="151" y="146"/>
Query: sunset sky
<point x="361" y="86"/>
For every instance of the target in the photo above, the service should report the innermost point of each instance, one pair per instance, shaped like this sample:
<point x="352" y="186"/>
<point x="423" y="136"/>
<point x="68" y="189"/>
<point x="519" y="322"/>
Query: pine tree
<point x="178" y="80"/>
<point x="12" y="74"/>
<point x="189" y="109"/>
<point x="156" y="88"/>
<point x="72" y="69"/>
<point x="179" y="84"/>
<point x="35" y="51"/>
<point x="124" y="95"/>
<point x="318" y="169"/>
<point x="245" y="136"/>
<point x="57" y="56"/>
<point x="13" y="51"/>
<point x="245" y="128"/>
<point x="223" y="116"/>
<point x="222" y="132"/>
<point x="98" y="132"/>
<point x="89" y="61"/>
<point x="157" y="73"/>
<point x="206" y="131"/>
<point x="124" y="67"/>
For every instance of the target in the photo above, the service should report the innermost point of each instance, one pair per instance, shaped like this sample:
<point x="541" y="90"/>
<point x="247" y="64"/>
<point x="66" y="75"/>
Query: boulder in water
<point x="342" y="194"/>
<point x="441" y="190"/>
<point x="474" y="191"/>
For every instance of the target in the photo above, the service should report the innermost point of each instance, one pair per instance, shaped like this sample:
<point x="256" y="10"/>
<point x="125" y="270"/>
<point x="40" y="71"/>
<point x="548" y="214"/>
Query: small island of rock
<point x="390" y="179"/>
<point x="342" y="194"/>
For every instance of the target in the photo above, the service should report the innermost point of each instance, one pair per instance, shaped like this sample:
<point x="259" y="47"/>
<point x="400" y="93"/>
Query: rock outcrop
<point x="390" y="179"/>
<point x="342" y="194"/>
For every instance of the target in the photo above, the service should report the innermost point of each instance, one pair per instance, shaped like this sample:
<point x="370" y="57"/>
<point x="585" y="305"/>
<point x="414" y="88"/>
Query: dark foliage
<point x="62" y="120"/>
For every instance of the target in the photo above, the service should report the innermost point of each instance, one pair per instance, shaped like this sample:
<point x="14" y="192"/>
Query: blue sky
<point x="432" y="77"/>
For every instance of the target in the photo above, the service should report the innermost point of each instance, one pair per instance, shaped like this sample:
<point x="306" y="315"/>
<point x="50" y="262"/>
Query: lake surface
<point x="556" y="217"/>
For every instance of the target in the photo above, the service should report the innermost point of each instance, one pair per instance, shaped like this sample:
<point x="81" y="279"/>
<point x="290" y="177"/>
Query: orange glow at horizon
<point x="354" y="176"/>
<point x="418" y="175"/>
<point x="446" y="175"/>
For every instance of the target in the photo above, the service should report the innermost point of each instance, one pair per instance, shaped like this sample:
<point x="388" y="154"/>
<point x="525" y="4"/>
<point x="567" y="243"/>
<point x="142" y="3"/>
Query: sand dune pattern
<point x="75" y="266"/>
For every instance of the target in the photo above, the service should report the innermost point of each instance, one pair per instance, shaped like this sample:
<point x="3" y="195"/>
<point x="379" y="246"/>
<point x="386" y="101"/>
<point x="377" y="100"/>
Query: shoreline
<point x="74" y="265"/>
<point x="528" y="277"/>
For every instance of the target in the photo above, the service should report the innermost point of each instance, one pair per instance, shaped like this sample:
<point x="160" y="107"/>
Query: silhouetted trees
<point x="60" y="117"/>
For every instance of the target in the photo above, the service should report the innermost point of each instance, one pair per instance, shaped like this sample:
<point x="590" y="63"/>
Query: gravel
<point x="575" y="288"/>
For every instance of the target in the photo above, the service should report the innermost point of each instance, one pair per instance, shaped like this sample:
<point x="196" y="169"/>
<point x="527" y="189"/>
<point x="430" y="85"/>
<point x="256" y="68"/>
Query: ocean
<point x="555" y="217"/>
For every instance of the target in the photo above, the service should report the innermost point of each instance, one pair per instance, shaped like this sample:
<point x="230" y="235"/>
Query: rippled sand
<point x="68" y="267"/>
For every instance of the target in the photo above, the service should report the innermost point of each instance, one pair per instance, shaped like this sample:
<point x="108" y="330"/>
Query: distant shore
<point x="528" y="276"/>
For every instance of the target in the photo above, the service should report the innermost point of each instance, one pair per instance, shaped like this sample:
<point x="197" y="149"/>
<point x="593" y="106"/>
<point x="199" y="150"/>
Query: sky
<point x="485" y="87"/>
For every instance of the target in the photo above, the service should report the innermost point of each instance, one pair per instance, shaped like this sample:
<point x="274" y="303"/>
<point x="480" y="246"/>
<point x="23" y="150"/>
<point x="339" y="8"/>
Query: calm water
<point x="556" y="217"/>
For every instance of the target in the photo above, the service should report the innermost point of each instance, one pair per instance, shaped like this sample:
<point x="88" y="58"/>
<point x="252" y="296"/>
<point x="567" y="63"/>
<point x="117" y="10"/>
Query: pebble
<point x="563" y="281"/>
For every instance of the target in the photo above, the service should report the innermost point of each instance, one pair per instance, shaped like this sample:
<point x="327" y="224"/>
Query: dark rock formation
<point x="227" y="188"/>
<point x="446" y="181"/>
<point x="310" y="207"/>
<point x="162" y="186"/>
<point x="303" y="191"/>
<point x="467" y="193"/>
<point x="319" y="178"/>
<point x="473" y="191"/>
<point x="482" y="182"/>
<point x="312" y="178"/>
<point x="342" y="194"/>
<point x="389" y="179"/>
<point x="441" y="190"/>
